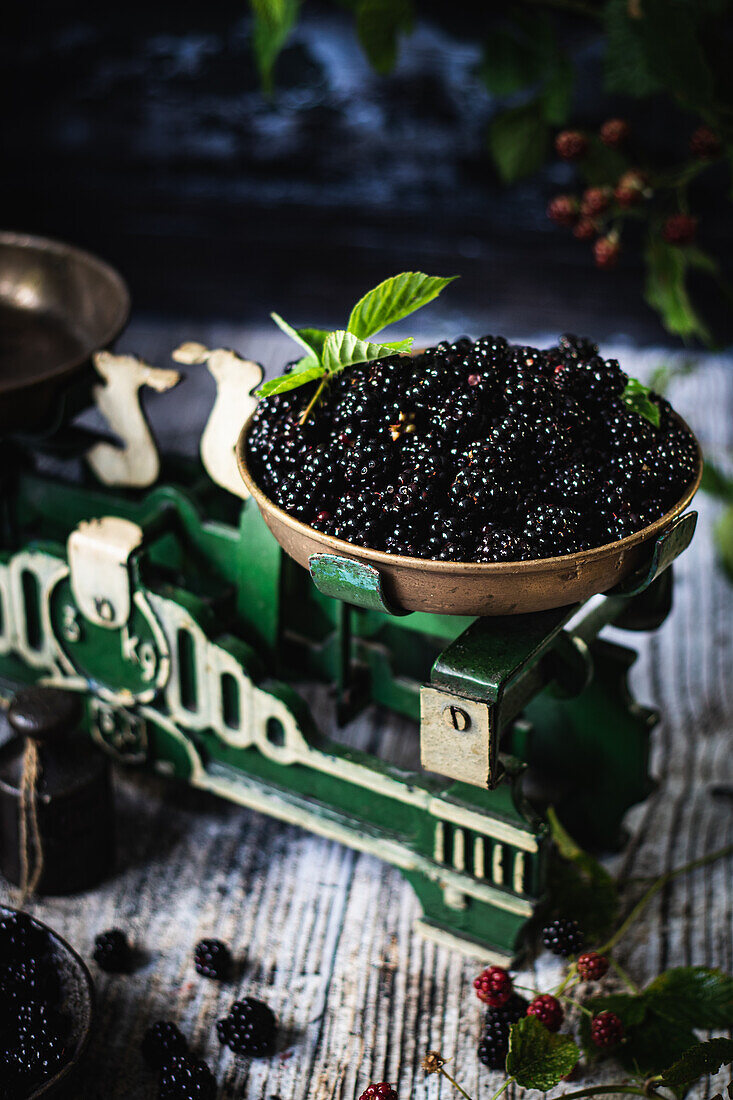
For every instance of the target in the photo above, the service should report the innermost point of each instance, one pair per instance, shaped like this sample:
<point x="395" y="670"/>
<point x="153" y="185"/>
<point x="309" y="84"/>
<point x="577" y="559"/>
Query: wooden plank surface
<point x="325" y="935"/>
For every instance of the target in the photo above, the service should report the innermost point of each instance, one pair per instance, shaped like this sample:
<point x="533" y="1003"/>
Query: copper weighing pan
<point x="454" y="588"/>
<point x="58" y="305"/>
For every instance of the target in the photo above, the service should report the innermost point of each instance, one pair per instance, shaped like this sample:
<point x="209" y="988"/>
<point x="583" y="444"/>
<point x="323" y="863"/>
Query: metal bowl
<point x="458" y="588"/>
<point x="77" y="1002"/>
<point x="58" y="305"/>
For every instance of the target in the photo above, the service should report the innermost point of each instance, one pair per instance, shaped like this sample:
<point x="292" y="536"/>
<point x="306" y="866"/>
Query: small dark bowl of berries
<point x="46" y="1008"/>
<point x="475" y="459"/>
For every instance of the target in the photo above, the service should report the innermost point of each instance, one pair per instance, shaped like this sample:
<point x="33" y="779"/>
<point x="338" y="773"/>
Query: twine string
<point x="31" y="847"/>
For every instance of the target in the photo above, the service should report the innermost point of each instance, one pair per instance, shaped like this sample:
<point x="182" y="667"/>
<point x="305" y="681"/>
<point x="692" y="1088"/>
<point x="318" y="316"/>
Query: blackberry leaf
<point x="701" y="1059"/>
<point x="392" y="300"/>
<point x="694" y="996"/>
<point x="290" y="381"/>
<point x="378" y="25"/>
<point x="538" y="1059"/>
<point x="342" y="349"/>
<point x="310" y="339"/>
<point x="636" y="396"/>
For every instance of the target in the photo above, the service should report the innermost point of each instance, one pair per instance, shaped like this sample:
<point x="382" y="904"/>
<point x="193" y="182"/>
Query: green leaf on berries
<point x="636" y="397"/>
<point x="310" y="339"/>
<point x="290" y="381"/>
<point x="343" y="349"/>
<point x="379" y="23"/>
<point x="666" y="289"/>
<point x="693" y="996"/>
<point x="537" y="1058"/>
<point x="519" y="140"/>
<point x="394" y="299"/>
<point x="273" y="22"/>
<point x="580" y="885"/>
<point x="631" y="1008"/>
<point x="698" y="1061"/>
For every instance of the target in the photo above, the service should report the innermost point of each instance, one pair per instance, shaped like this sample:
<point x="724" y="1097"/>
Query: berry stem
<point x="576" y="1004"/>
<point x="314" y="399"/>
<point x="570" y="979"/>
<point x="455" y="1084"/>
<point x="654" y="889"/>
<point x="505" y="1086"/>
<point x="611" y="1090"/>
<point x="628" y="981"/>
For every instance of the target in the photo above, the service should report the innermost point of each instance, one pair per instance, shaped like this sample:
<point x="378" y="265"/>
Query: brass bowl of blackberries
<point x="478" y="477"/>
<point x="46" y="1009"/>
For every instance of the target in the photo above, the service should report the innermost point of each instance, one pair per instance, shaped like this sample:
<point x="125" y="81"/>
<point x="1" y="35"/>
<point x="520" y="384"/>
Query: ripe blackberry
<point x="552" y="528"/>
<point x="20" y="937"/>
<point x="112" y="952"/>
<point x="548" y="1011"/>
<point x="594" y="201"/>
<point x="571" y="144"/>
<point x="161" y="1042"/>
<point x="250" y="1029"/>
<point x="680" y="229"/>
<point x="185" y="1078"/>
<point x="606" y="1030"/>
<point x="563" y="937"/>
<point x="30" y="979"/>
<point x="592" y="966"/>
<point x="213" y="959"/>
<point x="493" y="1046"/>
<point x="606" y="251"/>
<point x="36" y="1059"/>
<point x="563" y="210"/>
<point x="705" y="143"/>
<point x="493" y="986"/>
<point x="380" y="1091"/>
<point x="614" y="132"/>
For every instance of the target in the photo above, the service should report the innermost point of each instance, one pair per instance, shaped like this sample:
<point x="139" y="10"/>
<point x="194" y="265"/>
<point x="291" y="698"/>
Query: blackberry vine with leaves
<point x="627" y="196"/>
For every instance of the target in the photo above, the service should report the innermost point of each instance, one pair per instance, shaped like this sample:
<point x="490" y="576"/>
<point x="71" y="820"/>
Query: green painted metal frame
<point x="476" y="857"/>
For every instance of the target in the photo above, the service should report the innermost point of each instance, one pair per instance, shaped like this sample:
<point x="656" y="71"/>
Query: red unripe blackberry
<point x="704" y="143"/>
<point x="571" y="144"/>
<point x="680" y="229"/>
<point x="585" y="229"/>
<point x="493" y="986"/>
<point x="595" y="200"/>
<point x="563" y="210"/>
<point x="548" y="1011"/>
<point x="606" y="251"/>
<point x="592" y="966"/>
<point x="629" y="188"/>
<point x="614" y="131"/>
<point x="606" y="1030"/>
<point x="381" y="1091"/>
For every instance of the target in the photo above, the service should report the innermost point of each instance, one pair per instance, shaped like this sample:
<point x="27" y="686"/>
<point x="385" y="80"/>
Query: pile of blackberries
<point x="34" y="1032"/>
<point x="473" y="451"/>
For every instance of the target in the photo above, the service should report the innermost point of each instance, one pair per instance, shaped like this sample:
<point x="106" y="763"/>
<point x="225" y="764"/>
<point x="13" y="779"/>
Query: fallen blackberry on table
<point x="213" y="959"/>
<point x="563" y="937"/>
<point x="494" y="1042"/>
<point x="250" y="1028"/>
<point x="112" y="952"/>
<point x="185" y="1078"/>
<point x="476" y="451"/>
<point x="161" y="1043"/>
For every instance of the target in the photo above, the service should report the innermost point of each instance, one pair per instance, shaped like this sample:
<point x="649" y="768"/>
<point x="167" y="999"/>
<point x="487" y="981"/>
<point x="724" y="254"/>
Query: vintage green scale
<point x="156" y="590"/>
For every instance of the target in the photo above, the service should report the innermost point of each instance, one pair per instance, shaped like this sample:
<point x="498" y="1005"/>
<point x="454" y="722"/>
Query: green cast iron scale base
<point x="176" y="615"/>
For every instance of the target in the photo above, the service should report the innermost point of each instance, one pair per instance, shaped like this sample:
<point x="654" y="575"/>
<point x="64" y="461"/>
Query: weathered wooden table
<point x="324" y="934"/>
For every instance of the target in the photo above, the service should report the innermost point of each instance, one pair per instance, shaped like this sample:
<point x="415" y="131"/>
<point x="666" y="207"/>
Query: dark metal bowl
<point x="58" y="305"/>
<point x="77" y="1002"/>
<point x="470" y="588"/>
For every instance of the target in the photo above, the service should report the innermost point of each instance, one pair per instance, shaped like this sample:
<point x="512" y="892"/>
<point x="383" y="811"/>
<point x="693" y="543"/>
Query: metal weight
<point x="72" y="800"/>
